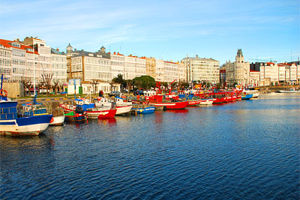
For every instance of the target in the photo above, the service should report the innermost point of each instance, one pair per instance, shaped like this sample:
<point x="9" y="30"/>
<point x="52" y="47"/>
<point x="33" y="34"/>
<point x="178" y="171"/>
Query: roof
<point x="8" y="44"/>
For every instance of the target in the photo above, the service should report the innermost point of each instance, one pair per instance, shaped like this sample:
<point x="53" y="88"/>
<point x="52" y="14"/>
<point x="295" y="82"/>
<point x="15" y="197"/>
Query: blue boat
<point x="247" y="96"/>
<point x="12" y="123"/>
<point x="146" y="110"/>
<point x="17" y="123"/>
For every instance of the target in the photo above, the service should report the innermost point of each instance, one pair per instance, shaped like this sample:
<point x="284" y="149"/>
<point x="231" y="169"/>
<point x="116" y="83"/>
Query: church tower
<point x="69" y="49"/>
<point x="239" y="56"/>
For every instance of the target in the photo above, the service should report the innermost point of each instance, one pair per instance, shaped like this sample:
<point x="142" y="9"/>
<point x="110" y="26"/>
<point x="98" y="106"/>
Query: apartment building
<point x="47" y="61"/>
<point x="167" y="71"/>
<point x="89" y="66"/>
<point x="134" y="67"/>
<point x="117" y="65"/>
<point x="151" y="67"/>
<point x="273" y="73"/>
<point x="202" y="69"/>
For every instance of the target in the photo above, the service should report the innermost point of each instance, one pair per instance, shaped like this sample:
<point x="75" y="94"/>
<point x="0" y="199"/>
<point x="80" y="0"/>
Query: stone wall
<point x="14" y="89"/>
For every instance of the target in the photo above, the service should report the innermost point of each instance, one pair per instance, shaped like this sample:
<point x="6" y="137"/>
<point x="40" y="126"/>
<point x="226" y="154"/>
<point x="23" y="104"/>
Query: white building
<point x="238" y="72"/>
<point x="134" y="67"/>
<point x="118" y="64"/>
<point x="202" y="69"/>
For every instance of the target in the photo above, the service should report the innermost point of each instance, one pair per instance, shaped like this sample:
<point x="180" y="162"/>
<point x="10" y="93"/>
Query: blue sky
<point x="164" y="29"/>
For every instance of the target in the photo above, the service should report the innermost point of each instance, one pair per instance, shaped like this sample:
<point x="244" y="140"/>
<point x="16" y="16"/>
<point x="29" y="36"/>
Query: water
<point x="243" y="150"/>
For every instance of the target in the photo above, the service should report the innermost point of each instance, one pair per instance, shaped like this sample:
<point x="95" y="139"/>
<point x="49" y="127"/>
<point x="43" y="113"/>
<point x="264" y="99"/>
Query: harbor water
<point x="243" y="150"/>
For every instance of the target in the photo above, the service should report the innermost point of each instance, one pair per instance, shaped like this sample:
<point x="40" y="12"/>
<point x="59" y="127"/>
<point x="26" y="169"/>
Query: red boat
<point x="172" y="105"/>
<point x="157" y="101"/>
<point x="193" y="102"/>
<point x="93" y="113"/>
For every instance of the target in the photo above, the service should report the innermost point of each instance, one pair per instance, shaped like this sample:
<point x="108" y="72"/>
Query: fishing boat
<point x="75" y="117"/>
<point x="247" y="96"/>
<point x="17" y="123"/>
<point x="121" y="106"/>
<point x="90" y="110"/>
<point x="206" y="101"/>
<point x="193" y="102"/>
<point x="173" y="104"/>
<point x="58" y="121"/>
<point x="144" y="110"/>
<point x="20" y="124"/>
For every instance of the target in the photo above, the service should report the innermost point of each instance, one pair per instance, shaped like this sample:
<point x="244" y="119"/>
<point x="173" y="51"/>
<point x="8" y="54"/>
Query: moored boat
<point x="247" y="96"/>
<point x="172" y="105"/>
<point x="13" y="123"/>
<point x="144" y="110"/>
<point x="58" y="121"/>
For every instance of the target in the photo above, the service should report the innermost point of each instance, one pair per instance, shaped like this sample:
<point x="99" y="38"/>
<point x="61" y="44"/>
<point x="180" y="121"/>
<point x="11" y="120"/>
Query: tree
<point x="55" y="86"/>
<point x="27" y="85"/>
<point x="47" y="79"/>
<point x="145" y="82"/>
<point x="119" y="79"/>
<point x="129" y="84"/>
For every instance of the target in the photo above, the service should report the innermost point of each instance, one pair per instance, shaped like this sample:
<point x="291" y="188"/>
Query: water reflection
<point x="209" y="153"/>
<point x="110" y="122"/>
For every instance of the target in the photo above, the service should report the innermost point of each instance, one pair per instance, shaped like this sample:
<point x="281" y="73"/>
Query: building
<point x="202" y="69"/>
<point x="48" y="61"/>
<point x="254" y="78"/>
<point x="237" y="72"/>
<point x="117" y="64"/>
<point x="222" y="75"/>
<point x="134" y="67"/>
<point x="5" y="59"/>
<point x="89" y="66"/>
<point x="151" y="67"/>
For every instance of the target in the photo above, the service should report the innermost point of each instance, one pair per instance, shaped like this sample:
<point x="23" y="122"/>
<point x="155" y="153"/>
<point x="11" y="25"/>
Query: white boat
<point x="289" y="91"/>
<point x="58" y="120"/>
<point x="121" y="106"/>
<point x="11" y="124"/>
<point x="206" y="102"/>
<point x="254" y="93"/>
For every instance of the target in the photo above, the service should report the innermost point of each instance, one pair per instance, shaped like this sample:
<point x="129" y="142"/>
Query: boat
<point x="144" y="110"/>
<point x="172" y="105"/>
<point x="193" y="102"/>
<point x="206" y="101"/>
<point x="255" y="93"/>
<point x="58" y="121"/>
<point x="21" y="124"/>
<point x="292" y="90"/>
<point x="75" y="117"/>
<point x="90" y="110"/>
<point x="121" y="106"/>
<point x="247" y="96"/>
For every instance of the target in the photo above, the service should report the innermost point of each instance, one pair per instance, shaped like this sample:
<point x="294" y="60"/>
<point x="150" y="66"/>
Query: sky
<point x="165" y="29"/>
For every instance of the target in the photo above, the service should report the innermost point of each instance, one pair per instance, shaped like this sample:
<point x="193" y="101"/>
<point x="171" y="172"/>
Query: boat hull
<point x="147" y="110"/>
<point x="206" y="102"/>
<point x="25" y="126"/>
<point x="193" y="102"/>
<point x="123" y="109"/>
<point x="58" y="121"/>
<point x="247" y="97"/>
<point x="172" y="105"/>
